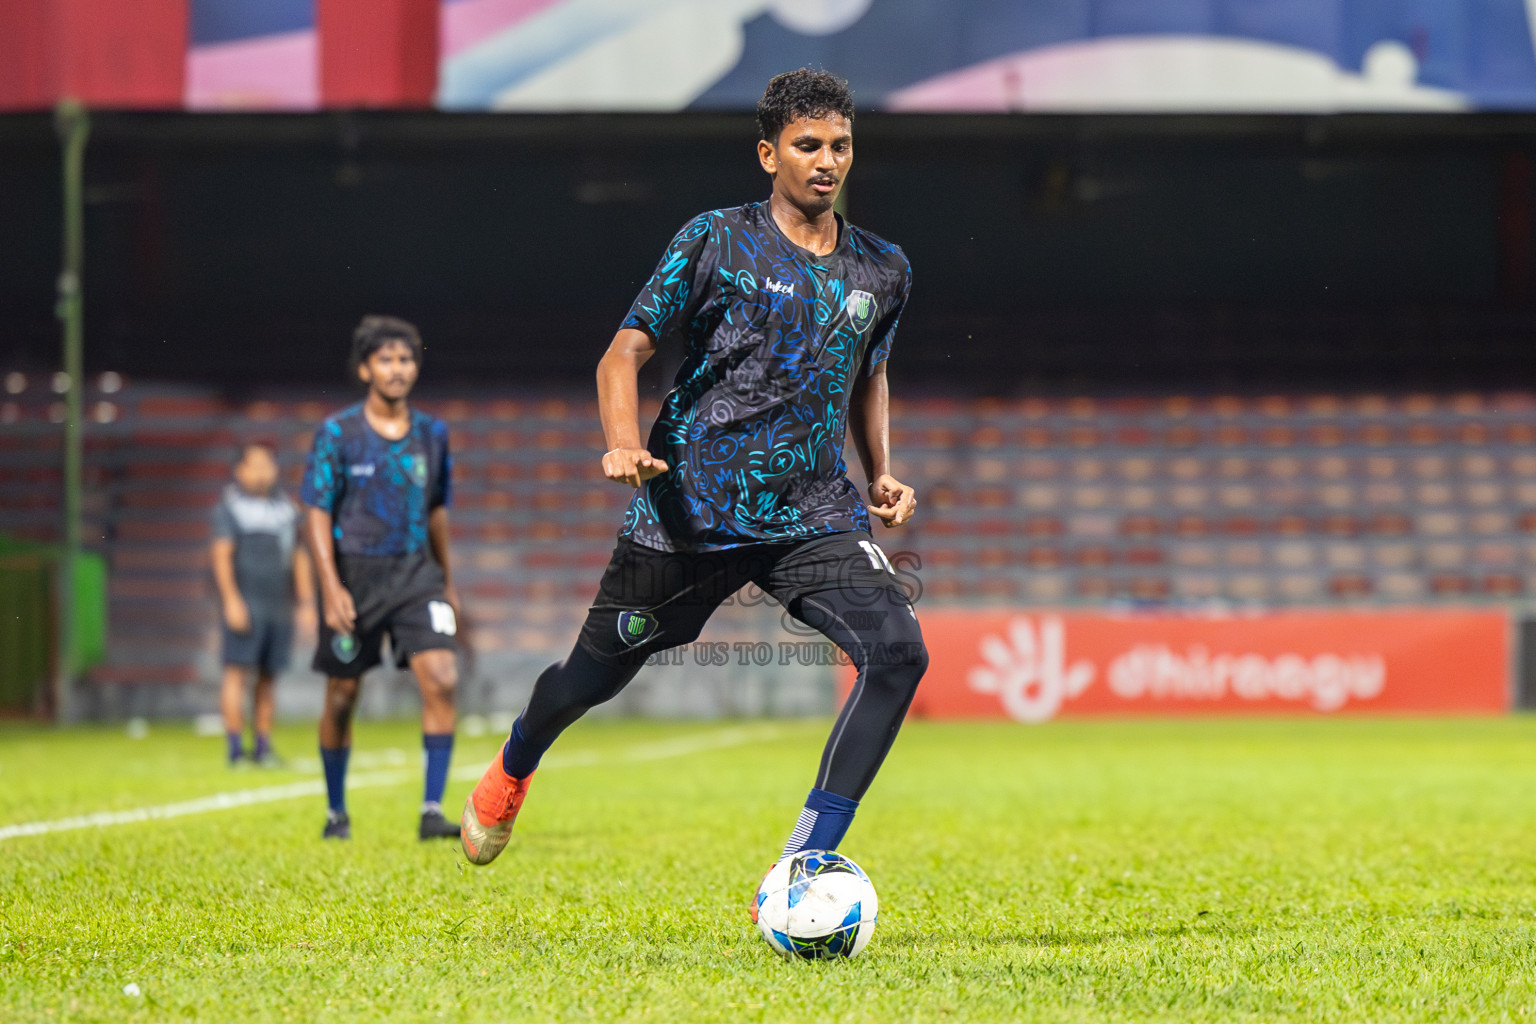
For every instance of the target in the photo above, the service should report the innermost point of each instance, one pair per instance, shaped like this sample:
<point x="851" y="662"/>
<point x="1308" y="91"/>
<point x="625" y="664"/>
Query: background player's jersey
<point x="378" y="492"/>
<point x="773" y="337"/>
<point x="263" y="528"/>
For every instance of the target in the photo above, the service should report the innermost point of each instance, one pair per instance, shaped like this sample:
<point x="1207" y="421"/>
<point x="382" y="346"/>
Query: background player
<point x="378" y="487"/>
<point x="260" y="571"/>
<point x="786" y="314"/>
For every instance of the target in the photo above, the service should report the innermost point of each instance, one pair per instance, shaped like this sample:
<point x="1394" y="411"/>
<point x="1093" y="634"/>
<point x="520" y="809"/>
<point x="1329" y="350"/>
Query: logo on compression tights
<point x="862" y="308"/>
<point x="636" y="627"/>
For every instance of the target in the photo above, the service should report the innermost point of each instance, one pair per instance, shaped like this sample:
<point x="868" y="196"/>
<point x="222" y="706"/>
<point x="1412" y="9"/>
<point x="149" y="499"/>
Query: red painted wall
<point x="378" y="53"/>
<point x="106" y="53"/>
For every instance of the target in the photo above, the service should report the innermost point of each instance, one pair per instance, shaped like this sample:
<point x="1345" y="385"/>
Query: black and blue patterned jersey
<point x="772" y="338"/>
<point x="378" y="492"/>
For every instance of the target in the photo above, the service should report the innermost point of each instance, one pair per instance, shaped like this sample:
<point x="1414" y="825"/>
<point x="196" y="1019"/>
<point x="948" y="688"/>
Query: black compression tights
<point x="881" y="637"/>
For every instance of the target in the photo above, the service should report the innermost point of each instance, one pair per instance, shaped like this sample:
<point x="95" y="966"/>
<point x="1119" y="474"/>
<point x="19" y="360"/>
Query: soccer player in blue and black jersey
<point x="377" y="487"/>
<point x="785" y="314"/>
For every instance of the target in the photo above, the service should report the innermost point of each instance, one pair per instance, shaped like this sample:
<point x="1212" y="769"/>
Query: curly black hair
<point x="802" y="93"/>
<point x="377" y="331"/>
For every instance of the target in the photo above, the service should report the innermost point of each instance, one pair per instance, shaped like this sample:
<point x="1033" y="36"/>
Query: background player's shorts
<point x="266" y="645"/>
<point x="651" y="600"/>
<point x="401" y="596"/>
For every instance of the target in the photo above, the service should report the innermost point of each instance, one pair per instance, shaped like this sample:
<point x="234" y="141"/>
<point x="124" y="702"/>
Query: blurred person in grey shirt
<point x="263" y="576"/>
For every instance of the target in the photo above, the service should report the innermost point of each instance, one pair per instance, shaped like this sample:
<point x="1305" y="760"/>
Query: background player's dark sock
<point x="564" y="692"/>
<point x="232" y="739"/>
<point x="823" y="822"/>
<point x="438" y="750"/>
<point x="335" y="764"/>
<point x="263" y="745"/>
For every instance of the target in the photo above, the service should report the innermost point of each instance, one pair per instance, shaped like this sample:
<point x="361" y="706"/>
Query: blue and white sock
<point x="437" y="751"/>
<point x="335" y="763"/>
<point x="823" y="823"/>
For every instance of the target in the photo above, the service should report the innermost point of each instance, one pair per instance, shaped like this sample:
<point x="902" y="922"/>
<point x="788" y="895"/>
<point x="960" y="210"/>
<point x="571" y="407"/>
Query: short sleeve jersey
<point x="379" y="492"/>
<point x="773" y="337"/>
<point x="263" y="528"/>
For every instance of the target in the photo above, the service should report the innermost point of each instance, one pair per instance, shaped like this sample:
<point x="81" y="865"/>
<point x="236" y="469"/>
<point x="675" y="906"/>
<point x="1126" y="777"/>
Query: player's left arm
<point x="304" y="589"/>
<point x="438" y="531"/>
<point x="437" y="536"/>
<point x="869" y="423"/>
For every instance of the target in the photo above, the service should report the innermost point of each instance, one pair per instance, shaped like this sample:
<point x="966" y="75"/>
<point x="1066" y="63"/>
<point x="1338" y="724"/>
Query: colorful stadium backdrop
<point x="960" y="55"/>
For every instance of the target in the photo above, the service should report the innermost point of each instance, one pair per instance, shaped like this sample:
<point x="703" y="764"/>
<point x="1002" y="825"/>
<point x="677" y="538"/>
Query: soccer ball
<point x="817" y="905"/>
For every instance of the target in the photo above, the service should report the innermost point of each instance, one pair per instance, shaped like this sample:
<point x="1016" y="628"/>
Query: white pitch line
<point x="717" y="740"/>
<point x="658" y="751"/>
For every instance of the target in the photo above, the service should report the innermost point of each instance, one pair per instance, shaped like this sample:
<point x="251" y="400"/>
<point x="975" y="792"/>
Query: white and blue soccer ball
<point x="817" y="905"/>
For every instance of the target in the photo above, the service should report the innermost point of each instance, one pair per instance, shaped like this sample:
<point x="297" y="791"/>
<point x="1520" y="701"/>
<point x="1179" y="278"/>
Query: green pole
<point x="74" y="126"/>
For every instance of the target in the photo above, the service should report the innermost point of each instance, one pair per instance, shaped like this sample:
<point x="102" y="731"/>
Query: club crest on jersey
<point x="418" y="470"/>
<point x="345" y="647"/>
<point x="636" y="628"/>
<point x="862" y="308"/>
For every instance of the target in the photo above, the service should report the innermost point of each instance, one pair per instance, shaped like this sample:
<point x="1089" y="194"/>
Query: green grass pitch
<point x="1306" y="870"/>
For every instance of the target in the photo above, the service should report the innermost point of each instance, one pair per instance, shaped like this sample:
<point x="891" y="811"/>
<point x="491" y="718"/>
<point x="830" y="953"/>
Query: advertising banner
<point x="1309" y="56"/>
<point x="1033" y="666"/>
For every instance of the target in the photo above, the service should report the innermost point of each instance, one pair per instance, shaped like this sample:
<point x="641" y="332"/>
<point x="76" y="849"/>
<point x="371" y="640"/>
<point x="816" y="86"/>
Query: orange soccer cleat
<point x="490" y="811"/>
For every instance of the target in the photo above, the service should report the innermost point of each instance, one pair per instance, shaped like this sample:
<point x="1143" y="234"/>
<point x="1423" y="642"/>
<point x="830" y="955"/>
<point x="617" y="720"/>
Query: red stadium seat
<point x="1193" y="526"/>
<point x="1044" y="556"/>
<point x="1182" y="436"/>
<point x="1149" y="588"/>
<point x="992" y="557"/>
<point x="988" y="436"/>
<point x="1043" y="526"/>
<point x="1341" y="526"/>
<point x="1350" y="585"/>
<point x="1095" y="556"/>
<point x="1376" y="435"/>
<point x="1475" y="434"/>
<point x="995" y="588"/>
<point x="1503" y="585"/>
<point x="1450" y="583"/>
<point x="1327" y="435"/>
<point x="1094" y="588"/>
<point x="1140" y="526"/>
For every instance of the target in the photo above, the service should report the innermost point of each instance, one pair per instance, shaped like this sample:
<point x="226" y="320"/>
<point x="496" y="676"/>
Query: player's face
<point x="256" y="472"/>
<point x="390" y="371"/>
<point x="810" y="160"/>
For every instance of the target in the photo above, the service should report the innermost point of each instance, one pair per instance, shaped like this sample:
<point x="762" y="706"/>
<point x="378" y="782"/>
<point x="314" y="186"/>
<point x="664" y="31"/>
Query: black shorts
<point x="651" y="600"/>
<point x="266" y="645"/>
<point x="398" y="595"/>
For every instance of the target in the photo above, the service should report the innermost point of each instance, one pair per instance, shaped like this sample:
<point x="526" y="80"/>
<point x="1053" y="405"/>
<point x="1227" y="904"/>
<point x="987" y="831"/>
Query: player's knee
<point x="902" y="656"/>
<point x="441" y="677"/>
<point x="341" y="694"/>
<point x="902" y="664"/>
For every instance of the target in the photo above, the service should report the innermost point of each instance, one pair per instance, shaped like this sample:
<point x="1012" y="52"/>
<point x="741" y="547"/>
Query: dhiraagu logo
<point x="862" y="308"/>
<point x="636" y="628"/>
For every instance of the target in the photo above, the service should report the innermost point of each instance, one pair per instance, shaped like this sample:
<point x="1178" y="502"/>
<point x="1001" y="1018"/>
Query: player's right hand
<point x="237" y="616"/>
<point x="340" y="612"/>
<point x="633" y="466"/>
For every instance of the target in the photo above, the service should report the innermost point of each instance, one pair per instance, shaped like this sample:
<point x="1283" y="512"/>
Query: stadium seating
<point x="1141" y="501"/>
